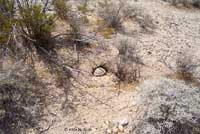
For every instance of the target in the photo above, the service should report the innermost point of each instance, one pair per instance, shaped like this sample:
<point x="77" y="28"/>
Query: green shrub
<point x="27" y="24"/>
<point x="36" y="26"/>
<point x="6" y="21"/>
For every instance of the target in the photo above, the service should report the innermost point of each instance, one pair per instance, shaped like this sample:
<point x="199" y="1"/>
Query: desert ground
<point x="98" y="102"/>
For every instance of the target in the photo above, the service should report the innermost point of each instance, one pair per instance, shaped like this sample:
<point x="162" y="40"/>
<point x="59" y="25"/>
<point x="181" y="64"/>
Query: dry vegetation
<point x="185" y="68"/>
<point x="27" y="36"/>
<point x="22" y="101"/>
<point x="185" y="3"/>
<point x="128" y="68"/>
<point x="115" y="13"/>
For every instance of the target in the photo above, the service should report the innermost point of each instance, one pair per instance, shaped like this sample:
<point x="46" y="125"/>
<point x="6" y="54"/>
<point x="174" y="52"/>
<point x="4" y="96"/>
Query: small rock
<point x="124" y="122"/>
<point x="98" y="72"/>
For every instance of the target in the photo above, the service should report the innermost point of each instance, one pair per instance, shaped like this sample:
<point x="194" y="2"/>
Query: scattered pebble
<point x="124" y="122"/>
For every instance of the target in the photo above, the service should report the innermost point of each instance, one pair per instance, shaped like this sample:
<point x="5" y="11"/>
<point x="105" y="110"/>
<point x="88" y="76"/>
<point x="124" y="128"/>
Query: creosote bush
<point x="36" y="26"/>
<point x="26" y="26"/>
<point x="6" y="22"/>
<point x="29" y="32"/>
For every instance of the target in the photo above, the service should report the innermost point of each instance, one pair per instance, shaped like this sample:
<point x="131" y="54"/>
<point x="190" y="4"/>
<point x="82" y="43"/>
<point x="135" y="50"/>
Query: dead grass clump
<point x="115" y="13"/>
<point x="112" y="14"/>
<point x="127" y="68"/>
<point x="137" y="15"/>
<point x="146" y="23"/>
<point x="185" y="68"/>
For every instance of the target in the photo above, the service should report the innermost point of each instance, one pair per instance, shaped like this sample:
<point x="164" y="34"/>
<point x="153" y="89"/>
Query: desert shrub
<point x="18" y="109"/>
<point x="196" y="3"/>
<point x="126" y="73"/>
<point x="32" y="34"/>
<point x="111" y="13"/>
<point x="25" y="25"/>
<point x="83" y="7"/>
<point x="186" y="3"/>
<point x="22" y="101"/>
<point x="166" y="106"/>
<point x="107" y="32"/>
<point x="65" y="12"/>
<point x="146" y="22"/>
<point x="184" y="68"/>
<point x="6" y="21"/>
<point x="62" y="9"/>
<point x="36" y="26"/>
<point x="127" y="68"/>
<point x="114" y="13"/>
<point x="138" y="15"/>
<point x="75" y="34"/>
